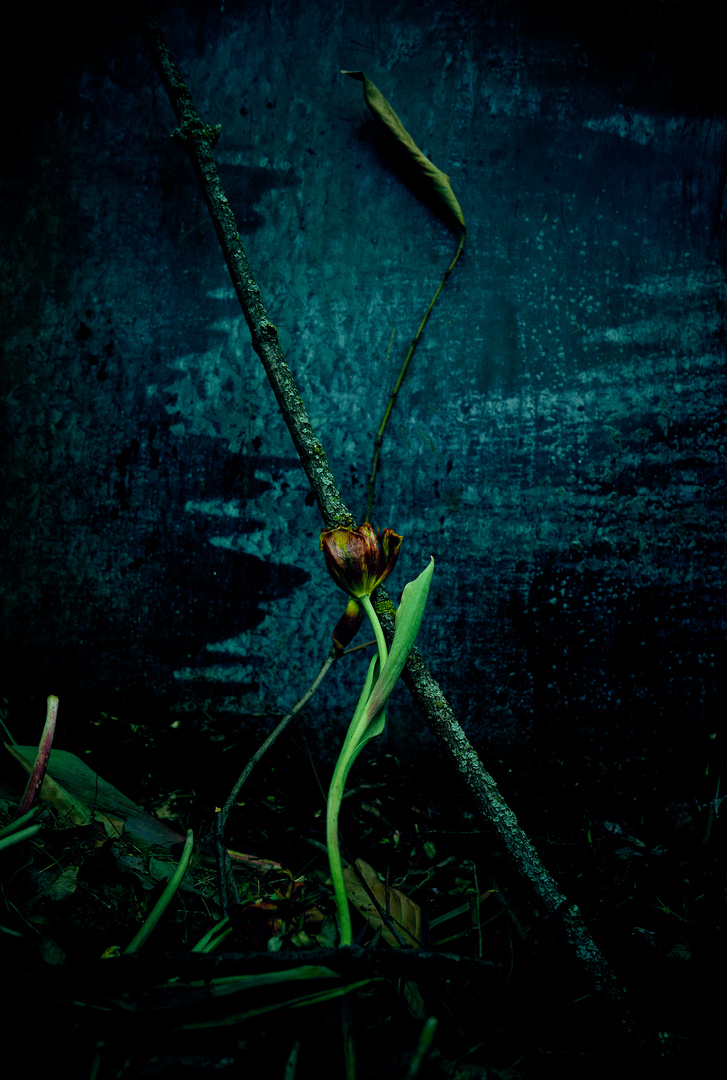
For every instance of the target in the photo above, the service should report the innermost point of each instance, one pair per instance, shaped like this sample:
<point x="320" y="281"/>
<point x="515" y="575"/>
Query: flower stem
<point x="368" y="607"/>
<point x="348" y="753"/>
<point x="335" y="796"/>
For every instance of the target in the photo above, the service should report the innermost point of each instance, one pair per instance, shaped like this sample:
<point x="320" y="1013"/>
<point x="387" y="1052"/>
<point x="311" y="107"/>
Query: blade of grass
<point x="165" y="899"/>
<point x="20" y="822"/>
<point x="291" y="1003"/>
<point x="19" y="837"/>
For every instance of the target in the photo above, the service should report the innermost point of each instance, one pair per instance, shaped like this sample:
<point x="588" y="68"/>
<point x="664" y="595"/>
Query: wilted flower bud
<point x="356" y="560"/>
<point x="348" y="626"/>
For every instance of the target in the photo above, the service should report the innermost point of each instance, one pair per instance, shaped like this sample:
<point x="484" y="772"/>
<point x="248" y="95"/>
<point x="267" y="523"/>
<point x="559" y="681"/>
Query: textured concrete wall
<point x="558" y="445"/>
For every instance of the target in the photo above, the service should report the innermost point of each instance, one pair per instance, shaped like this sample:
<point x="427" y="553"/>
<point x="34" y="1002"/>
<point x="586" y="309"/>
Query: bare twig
<point x="223" y="858"/>
<point x="378" y="441"/>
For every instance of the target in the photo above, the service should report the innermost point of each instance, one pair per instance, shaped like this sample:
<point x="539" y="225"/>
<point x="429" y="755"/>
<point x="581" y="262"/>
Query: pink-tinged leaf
<point x="35" y="782"/>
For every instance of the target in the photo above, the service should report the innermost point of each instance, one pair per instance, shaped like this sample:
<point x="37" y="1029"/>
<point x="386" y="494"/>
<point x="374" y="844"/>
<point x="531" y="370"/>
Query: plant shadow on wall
<point x="168" y="584"/>
<point x="372" y="922"/>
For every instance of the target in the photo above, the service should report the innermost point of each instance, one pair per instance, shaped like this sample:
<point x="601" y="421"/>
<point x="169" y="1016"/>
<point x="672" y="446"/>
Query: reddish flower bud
<point x="348" y="626"/>
<point x="356" y="560"/>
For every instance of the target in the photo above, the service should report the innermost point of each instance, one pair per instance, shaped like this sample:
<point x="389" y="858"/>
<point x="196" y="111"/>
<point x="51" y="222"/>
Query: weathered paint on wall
<point x="559" y="443"/>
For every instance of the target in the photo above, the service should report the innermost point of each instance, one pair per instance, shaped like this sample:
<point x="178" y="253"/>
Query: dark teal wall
<point x="558" y="445"/>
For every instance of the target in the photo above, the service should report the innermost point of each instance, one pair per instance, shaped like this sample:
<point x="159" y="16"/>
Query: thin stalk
<point x="223" y="859"/>
<point x="378" y="441"/>
<point x="335" y="794"/>
<point x="378" y="632"/>
<point x="35" y="781"/>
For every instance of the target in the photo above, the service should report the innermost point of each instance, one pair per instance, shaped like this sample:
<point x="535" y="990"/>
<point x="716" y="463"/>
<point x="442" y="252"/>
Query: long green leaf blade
<point x="408" y="620"/>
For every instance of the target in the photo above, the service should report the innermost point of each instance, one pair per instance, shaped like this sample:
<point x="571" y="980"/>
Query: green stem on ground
<point x="335" y="794"/>
<point x="165" y="899"/>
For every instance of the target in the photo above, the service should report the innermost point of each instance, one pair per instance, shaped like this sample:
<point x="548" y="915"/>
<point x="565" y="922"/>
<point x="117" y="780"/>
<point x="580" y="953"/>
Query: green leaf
<point x="408" y="620"/>
<point x="368" y="721"/>
<point x="385" y="115"/>
<point x="86" y="787"/>
<point x="233" y="984"/>
<point x="292" y="1003"/>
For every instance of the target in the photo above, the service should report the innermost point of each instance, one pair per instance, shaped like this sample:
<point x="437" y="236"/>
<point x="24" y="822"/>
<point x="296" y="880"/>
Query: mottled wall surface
<point x="558" y="445"/>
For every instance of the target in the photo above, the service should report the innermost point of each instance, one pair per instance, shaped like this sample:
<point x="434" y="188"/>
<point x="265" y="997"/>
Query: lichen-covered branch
<point x="484" y="794"/>
<point x="197" y="139"/>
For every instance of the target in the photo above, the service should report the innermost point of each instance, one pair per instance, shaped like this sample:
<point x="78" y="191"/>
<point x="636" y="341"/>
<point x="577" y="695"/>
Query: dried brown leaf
<point x="63" y="885"/>
<point x="403" y="912"/>
<point x="385" y="115"/>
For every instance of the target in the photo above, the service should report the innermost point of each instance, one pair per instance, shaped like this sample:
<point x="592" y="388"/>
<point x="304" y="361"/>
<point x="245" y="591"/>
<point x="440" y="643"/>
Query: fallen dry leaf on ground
<point x="403" y="912"/>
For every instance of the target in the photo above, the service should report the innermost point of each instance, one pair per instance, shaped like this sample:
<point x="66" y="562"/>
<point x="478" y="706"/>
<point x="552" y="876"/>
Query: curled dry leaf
<point x="385" y="115"/>
<point x="404" y="913"/>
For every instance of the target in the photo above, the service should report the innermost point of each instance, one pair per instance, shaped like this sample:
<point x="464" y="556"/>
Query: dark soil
<point x="642" y="857"/>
